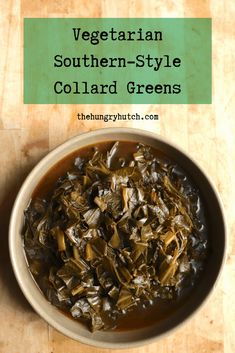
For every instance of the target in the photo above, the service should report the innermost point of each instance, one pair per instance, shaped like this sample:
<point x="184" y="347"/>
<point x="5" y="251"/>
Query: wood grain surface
<point x="28" y="132"/>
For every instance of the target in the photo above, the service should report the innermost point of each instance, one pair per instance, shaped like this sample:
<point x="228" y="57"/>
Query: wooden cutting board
<point x="28" y="132"/>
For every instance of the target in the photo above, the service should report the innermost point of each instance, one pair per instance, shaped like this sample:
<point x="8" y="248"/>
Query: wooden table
<point x="28" y="132"/>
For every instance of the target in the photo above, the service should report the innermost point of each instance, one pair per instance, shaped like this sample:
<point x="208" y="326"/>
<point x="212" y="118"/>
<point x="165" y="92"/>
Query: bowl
<point x="127" y="338"/>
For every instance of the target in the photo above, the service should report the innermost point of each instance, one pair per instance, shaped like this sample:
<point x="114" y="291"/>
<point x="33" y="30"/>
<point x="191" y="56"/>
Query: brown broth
<point x="138" y="317"/>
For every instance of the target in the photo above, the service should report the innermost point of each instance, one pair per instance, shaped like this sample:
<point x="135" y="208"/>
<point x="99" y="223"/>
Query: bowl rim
<point x="48" y="157"/>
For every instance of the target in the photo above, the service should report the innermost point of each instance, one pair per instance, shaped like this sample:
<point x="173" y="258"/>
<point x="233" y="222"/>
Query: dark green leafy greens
<point x="116" y="234"/>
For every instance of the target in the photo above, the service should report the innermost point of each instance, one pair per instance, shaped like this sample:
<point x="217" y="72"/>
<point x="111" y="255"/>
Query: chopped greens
<point x="115" y="234"/>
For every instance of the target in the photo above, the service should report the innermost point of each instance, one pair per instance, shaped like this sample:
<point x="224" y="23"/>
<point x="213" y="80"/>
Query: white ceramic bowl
<point x="129" y="338"/>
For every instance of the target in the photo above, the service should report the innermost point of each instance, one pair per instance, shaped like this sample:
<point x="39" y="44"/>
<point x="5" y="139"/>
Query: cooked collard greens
<point x="116" y="232"/>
